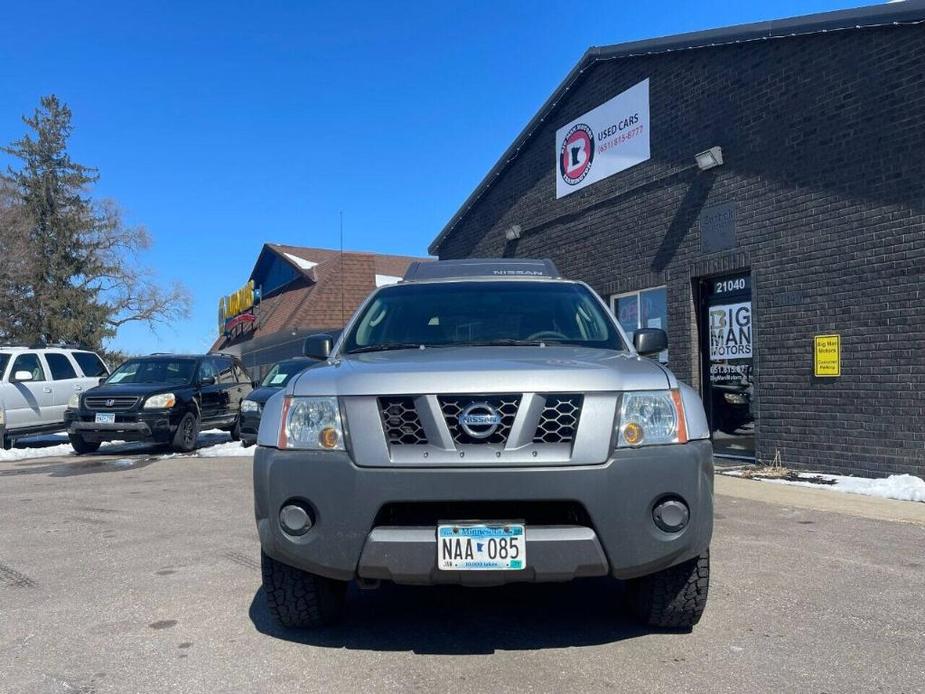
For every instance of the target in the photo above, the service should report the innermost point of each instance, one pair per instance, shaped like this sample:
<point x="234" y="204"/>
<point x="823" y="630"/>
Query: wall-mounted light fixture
<point x="512" y="233"/>
<point x="710" y="158"/>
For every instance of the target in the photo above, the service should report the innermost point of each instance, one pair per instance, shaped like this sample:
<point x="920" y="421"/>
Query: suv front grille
<point x="453" y="406"/>
<point x="401" y="422"/>
<point x="559" y="419"/>
<point x="124" y="402"/>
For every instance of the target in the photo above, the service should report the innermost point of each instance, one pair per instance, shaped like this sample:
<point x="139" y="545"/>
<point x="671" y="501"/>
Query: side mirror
<point x="207" y="381"/>
<point x="650" y="341"/>
<point x="318" y="346"/>
<point x="22" y="376"/>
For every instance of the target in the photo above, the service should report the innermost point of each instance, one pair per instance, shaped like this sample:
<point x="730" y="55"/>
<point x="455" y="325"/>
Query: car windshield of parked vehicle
<point x="482" y="313"/>
<point x="282" y="373"/>
<point x="170" y="371"/>
<point x="4" y="360"/>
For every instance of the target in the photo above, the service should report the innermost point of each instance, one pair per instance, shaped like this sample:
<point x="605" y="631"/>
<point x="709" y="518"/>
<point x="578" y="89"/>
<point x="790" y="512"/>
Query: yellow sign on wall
<point x="235" y="303"/>
<point x="827" y="356"/>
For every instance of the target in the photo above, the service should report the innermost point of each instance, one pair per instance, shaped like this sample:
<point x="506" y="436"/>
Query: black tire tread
<point x="674" y="598"/>
<point x="298" y="599"/>
<point x="81" y="445"/>
<point x="177" y="443"/>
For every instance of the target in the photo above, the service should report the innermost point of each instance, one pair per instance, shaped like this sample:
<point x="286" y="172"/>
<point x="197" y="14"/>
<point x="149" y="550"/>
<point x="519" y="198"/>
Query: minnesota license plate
<point x="105" y="418"/>
<point x="481" y="547"/>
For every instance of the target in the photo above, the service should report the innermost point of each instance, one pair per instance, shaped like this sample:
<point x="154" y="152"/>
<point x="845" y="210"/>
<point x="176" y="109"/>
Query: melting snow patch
<point x="231" y="449"/>
<point x="212" y="443"/>
<point x="900" y="487"/>
<point x="301" y="262"/>
<point x="42" y="452"/>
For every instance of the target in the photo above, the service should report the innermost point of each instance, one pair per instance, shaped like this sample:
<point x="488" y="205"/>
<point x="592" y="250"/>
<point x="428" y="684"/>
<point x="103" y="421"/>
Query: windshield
<point x="4" y="359"/>
<point x="171" y="371"/>
<point x="482" y="313"/>
<point x="283" y="372"/>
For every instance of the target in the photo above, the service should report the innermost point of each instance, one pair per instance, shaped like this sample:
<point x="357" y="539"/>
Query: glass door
<point x="727" y="338"/>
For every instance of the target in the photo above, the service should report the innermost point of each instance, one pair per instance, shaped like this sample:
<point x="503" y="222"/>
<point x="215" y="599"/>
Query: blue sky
<point x="223" y="125"/>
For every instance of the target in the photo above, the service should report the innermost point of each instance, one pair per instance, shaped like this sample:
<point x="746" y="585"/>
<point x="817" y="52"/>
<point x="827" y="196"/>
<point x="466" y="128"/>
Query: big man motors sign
<point x="607" y="140"/>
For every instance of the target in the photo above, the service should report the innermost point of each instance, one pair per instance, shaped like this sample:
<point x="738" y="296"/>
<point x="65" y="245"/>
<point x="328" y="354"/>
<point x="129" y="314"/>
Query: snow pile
<point x="229" y="449"/>
<point x="42" y="452"/>
<point x="902" y="487"/>
<point x="899" y="487"/>
<point x="213" y="443"/>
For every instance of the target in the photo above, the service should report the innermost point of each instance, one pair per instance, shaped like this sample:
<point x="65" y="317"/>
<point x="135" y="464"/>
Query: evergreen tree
<point x="83" y="278"/>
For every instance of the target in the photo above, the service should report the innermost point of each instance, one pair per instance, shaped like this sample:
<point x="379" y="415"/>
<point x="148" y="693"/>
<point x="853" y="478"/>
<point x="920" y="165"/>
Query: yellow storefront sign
<point x="235" y="303"/>
<point x="827" y="356"/>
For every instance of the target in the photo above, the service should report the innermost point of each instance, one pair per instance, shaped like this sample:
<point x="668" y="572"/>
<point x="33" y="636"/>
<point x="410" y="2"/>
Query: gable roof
<point x="326" y="289"/>
<point x="894" y="13"/>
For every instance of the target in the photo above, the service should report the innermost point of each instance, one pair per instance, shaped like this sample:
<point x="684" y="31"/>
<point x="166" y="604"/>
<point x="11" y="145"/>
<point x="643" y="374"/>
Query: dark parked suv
<point x="163" y="398"/>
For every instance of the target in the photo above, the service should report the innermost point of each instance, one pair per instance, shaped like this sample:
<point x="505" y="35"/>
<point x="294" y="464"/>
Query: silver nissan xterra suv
<point x="479" y="423"/>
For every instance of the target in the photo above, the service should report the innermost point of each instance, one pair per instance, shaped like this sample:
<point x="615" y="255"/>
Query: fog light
<point x="671" y="515"/>
<point x="632" y="434"/>
<point x="295" y="519"/>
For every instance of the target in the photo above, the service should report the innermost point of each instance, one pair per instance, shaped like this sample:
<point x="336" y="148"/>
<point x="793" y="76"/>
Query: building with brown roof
<point x="293" y="292"/>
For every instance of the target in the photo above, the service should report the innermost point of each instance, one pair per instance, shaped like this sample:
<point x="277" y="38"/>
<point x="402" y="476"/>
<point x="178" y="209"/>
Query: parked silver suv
<point x="36" y="384"/>
<point x="484" y="422"/>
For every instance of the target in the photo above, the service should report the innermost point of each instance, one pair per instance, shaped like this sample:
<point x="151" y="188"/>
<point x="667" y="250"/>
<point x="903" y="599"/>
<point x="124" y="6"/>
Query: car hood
<point x="262" y="394"/>
<point x="134" y="389"/>
<point x="559" y="368"/>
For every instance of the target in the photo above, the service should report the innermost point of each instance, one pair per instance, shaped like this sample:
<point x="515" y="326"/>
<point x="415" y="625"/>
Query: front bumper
<point x="619" y="536"/>
<point x="250" y="425"/>
<point x="158" y="426"/>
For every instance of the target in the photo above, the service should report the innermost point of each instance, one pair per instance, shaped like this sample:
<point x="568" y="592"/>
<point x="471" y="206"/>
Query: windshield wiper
<point x="386" y="347"/>
<point x="507" y="342"/>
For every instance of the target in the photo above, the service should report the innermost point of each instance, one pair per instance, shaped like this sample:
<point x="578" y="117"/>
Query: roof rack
<point x="481" y="267"/>
<point x="42" y="344"/>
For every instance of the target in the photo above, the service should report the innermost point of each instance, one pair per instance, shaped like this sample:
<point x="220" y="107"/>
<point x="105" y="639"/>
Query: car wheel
<point x="235" y="430"/>
<point x="298" y="599"/>
<point x="674" y="598"/>
<point x="7" y="443"/>
<point x="184" y="439"/>
<point x="81" y="445"/>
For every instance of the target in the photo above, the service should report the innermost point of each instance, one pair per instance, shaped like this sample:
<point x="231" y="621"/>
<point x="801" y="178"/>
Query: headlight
<point x="164" y="401"/>
<point x="73" y="402"/>
<point x="249" y="406"/>
<point x="311" y="423"/>
<point x="651" y="417"/>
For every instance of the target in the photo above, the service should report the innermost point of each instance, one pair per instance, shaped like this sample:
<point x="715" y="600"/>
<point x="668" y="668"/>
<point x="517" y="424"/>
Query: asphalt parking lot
<point x="141" y="574"/>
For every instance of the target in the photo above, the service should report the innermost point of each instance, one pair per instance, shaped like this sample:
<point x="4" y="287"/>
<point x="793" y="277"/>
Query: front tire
<point x="184" y="440"/>
<point x="674" y="598"/>
<point x="235" y="431"/>
<point x="81" y="446"/>
<point x="298" y="599"/>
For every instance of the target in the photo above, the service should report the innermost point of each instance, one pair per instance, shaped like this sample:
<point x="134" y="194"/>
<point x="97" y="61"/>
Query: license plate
<point x="481" y="547"/>
<point x="105" y="418"/>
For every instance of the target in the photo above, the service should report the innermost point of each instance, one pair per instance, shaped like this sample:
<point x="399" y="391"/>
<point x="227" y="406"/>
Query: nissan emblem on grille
<point x="479" y="420"/>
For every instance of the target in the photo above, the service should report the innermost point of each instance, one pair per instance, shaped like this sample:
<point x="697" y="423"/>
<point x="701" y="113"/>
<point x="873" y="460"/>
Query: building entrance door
<point x="726" y="340"/>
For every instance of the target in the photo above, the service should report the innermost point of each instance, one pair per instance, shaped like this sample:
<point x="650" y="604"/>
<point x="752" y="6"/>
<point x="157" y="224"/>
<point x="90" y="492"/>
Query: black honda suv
<point x="163" y="398"/>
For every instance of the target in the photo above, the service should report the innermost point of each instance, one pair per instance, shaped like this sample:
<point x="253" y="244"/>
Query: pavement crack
<point x="241" y="559"/>
<point x="12" y="578"/>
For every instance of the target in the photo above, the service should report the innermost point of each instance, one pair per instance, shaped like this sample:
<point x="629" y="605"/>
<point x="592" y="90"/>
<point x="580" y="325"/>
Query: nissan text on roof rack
<point x="480" y="423"/>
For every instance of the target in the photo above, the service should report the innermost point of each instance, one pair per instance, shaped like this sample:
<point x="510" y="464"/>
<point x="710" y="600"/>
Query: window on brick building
<point x="647" y="308"/>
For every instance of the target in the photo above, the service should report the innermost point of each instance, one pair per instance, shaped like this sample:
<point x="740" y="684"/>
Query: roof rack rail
<point x="42" y="344"/>
<point x="481" y="267"/>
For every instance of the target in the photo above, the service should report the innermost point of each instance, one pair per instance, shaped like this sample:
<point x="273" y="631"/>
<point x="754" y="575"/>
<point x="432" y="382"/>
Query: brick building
<point x="294" y="292"/>
<point x="808" y="221"/>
